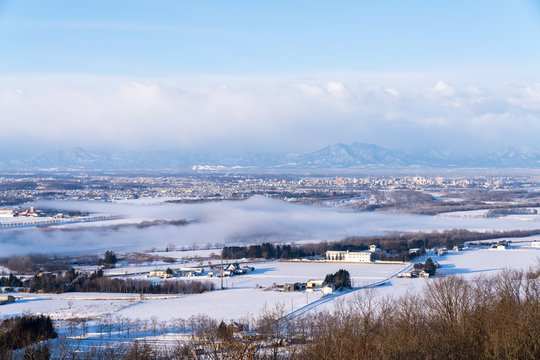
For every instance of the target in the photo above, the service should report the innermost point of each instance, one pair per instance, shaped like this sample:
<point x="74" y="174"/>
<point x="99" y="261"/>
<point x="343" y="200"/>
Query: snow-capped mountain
<point x="353" y="155"/>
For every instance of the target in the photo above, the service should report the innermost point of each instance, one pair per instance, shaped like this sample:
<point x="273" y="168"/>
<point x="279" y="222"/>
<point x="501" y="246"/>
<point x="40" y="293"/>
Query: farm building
<point x="405" y="275"/>
<point x="6" y="299"/>
<point x="313" y="285"/>
<point x="188" y="272"/>
<point x="289" y="287"/>
<point x="328" y="289"/>
<point x="161" y="273"/>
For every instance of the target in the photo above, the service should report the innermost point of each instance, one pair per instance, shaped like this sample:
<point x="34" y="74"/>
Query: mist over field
<point x="254" y="220"/>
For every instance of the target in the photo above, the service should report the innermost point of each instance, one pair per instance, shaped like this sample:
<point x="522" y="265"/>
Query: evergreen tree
<point x="430" y="267"/>
<point x="110" y="258"/>
<point x="341" y="279"/>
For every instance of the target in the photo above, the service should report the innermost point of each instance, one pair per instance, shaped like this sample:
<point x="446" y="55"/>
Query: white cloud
<point x="311" y="90"/>
<point x="444" y="88"/>
<point x="261" y="114"/>
<point x="337" y="89"/>
<point x="393" y="92"/>
<point x="527" y="97"/>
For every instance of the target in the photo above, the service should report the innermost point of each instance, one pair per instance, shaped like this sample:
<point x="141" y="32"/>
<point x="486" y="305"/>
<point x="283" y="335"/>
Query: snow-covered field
<point x="468" y="263"/>
<point x="73" y="306"/>
<point x="464" y="214"/>
<point x="247" y="295"/>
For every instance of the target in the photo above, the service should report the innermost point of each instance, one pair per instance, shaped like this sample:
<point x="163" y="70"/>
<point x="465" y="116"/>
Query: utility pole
<point x="221" y="271"/>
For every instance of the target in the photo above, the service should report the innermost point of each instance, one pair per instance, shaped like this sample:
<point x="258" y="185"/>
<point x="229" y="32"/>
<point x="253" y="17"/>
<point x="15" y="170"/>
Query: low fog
<point x="254" y="220"/>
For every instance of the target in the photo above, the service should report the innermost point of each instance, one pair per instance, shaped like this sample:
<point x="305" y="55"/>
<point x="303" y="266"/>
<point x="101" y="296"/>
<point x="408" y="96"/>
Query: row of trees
<point x="33" y="262"/>
<point x="397" y="245"/>
<point x="73" y="281"/>
<point x="399" y="242"/>
<point x="510" y="211"/>
<point x="11" y="281"/>
<point x="265" y="251"/>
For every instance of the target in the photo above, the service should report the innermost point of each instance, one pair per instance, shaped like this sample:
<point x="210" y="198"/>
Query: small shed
<point x="313" y="285"/>
<point x="6" y="299"/>
<point x="161" y="273"/>
<point x="328" y="289"/>
<point x="406" y="275"/>
<point x="290" y="287"/>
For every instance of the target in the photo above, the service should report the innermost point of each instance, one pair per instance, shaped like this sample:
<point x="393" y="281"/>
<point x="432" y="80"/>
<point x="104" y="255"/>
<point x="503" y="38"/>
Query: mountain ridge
<point x="335" y="156"/>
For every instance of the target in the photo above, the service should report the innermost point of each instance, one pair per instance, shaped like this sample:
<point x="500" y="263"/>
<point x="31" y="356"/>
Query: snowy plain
<point x="248" y="295"/>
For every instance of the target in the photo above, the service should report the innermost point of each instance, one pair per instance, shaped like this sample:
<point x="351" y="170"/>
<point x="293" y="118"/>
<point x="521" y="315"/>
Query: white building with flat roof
<point x="349" y="256"/>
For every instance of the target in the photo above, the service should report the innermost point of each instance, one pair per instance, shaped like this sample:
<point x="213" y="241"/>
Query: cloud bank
<point x="263" y="114"/>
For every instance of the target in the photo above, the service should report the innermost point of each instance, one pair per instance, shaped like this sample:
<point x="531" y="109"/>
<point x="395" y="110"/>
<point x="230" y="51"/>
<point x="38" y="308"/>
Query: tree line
<point x="34" y="262"/>
<point x="398" y="242"/>
<point x="396" y="245"/>
<point x="265" y="251"/>
<point x="73" y="281"/>
<point x="510" y="211"/>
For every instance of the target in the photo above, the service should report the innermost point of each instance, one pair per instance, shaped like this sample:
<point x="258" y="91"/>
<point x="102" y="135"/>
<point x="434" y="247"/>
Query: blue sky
<point x="171" y="38"/>
<point x="172" y="52"/>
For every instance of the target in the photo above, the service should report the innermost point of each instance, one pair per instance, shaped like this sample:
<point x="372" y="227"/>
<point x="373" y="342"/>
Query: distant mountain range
<point x="338" y="156"/>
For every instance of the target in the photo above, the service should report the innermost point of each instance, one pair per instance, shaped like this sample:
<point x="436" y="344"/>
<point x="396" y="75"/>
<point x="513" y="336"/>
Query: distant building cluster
<point x="9" y="213"/>
<point x="170" y="273"/>
<point x="197" y="187"/>
<point x="311" y="285"/>
<point x="227" y="270"/>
